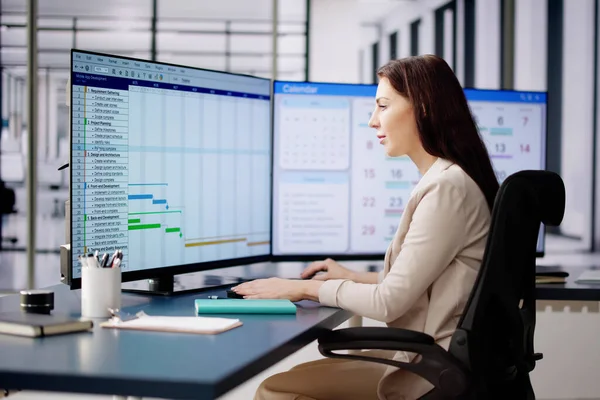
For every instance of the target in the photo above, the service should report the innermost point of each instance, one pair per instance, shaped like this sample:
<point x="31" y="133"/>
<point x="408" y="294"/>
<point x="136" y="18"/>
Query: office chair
<point x="491" y="352"/>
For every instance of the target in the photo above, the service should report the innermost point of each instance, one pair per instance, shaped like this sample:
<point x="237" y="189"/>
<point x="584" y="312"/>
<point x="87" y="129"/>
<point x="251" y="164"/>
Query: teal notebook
<point x="244" y="306"/>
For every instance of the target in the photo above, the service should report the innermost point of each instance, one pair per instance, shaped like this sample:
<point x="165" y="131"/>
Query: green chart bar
<point x="135" y="221"/>
<point x="143" y="227"/>
<point x="171" y="230"/>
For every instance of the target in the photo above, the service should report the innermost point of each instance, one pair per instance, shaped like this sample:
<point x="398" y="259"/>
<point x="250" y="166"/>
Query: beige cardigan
<point x="429" y="269"/>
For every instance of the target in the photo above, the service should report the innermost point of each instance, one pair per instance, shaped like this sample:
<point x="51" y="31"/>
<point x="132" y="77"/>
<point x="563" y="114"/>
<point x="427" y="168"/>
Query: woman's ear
<point x="424" y="110"/>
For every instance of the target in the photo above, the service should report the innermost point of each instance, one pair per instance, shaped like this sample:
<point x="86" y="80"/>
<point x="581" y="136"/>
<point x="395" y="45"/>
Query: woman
<point x="431" y="265"/>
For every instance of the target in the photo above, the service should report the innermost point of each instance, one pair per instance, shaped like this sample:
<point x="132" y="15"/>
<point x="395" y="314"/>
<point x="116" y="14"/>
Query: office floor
<point x="13" y="276"/>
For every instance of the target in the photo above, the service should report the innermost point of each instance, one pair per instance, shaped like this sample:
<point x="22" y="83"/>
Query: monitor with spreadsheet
<point x="336" y="193"/>
<point x="171" y="164"/>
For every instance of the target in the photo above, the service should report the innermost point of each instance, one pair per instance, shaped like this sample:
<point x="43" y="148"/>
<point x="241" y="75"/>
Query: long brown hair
<point x="446" y="126"/>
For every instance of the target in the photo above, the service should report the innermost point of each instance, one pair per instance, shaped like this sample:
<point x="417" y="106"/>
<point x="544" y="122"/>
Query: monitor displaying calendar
<point x="513" y="127"/>
<point x="335" y="191"/>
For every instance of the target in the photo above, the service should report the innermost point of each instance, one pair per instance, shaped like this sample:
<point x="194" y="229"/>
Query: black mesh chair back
<point x="494" y="339"/>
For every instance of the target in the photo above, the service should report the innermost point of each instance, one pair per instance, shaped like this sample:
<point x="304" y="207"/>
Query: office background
<point x="511" y="44"/>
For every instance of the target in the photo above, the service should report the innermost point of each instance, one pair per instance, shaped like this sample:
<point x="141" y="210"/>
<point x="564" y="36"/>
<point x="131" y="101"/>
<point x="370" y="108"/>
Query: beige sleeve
<point x="436" y="235"/>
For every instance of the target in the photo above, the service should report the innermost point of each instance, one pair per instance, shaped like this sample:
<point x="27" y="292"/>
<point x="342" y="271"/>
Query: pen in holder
<point x="100" y="285"/>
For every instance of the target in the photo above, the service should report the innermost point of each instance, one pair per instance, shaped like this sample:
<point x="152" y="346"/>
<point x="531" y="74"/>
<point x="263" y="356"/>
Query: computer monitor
<point x="328" y="183"/>
<point x="171" y="164"/>
<point x="336" y="193"/>
<point x="513" y="127"/>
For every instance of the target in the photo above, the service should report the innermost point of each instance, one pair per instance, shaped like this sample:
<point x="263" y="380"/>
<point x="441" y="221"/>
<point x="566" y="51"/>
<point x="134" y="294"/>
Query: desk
<point x="152" y="364"/>
<point x="569" y="291"/>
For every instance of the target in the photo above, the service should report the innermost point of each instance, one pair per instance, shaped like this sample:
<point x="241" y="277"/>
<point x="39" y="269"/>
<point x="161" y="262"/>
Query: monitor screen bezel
<point x="160" y="272"/>
<point x="306" y="257"/>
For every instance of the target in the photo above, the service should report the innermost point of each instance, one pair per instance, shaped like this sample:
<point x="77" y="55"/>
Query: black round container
<point x="37" y="301"/>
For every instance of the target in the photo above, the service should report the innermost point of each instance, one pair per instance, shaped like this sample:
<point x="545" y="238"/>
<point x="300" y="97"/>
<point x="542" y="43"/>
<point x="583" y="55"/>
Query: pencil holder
<point x="100" y="290"/>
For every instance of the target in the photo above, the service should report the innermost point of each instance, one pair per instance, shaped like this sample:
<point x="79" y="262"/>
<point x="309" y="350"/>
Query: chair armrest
<point x="436" y="365"/>
<point x="375" y="334"/>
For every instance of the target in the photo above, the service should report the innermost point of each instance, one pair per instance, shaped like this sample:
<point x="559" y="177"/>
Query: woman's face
<point x="395" y="121"/>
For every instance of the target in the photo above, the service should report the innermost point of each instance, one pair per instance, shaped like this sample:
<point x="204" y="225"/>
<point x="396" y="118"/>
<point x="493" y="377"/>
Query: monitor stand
<point x="172" y="286"/>
<point x="164" y="286"/>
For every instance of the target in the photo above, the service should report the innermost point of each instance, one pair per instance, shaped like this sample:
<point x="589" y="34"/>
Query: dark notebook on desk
<point x="545" y="274"/>
<point x="36" y="325"/>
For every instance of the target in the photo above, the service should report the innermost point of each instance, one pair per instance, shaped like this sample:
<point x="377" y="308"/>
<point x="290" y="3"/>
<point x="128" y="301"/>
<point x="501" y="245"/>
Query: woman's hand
<point x="332" y="269"/>
<point x="277" y="288"/>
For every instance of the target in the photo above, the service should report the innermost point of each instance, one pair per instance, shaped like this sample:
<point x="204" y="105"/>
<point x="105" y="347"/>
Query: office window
<point x="375" y="61"/>
<point x="469" y="42"/>
<point x="414" y="37"/>
<point x="507" y="44"/>
<point x="445" y="33"/>
<point x="394" y="46"/>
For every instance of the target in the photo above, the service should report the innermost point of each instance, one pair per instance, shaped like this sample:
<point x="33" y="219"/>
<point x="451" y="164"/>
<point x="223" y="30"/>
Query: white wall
<point x="531" y="27"/>
<point x="404" y="42"/>
<point x="427" y="33"/>
<point x="335" y="38"/>
<point x="487" y="44"/>
<point x="567" y="334"/>
<point x="577" y="115"/>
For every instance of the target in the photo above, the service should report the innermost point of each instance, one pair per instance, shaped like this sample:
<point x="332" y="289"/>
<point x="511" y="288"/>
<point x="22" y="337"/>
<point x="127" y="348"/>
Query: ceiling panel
<point x="289" y="10"/>
<point x="126" y="22"/>
<point x="292" y="10"/>
<point x="251" y="44"/>
<point x="120" y="24"/>
<point x="179" y="25"/>
<point x="295" y="28"/>
<point x="18" y="57"/>
<point x="295" y="44"/>
<point x="250" y="63"/>
<point x="168" y="41"/>
<point x="291" y="75"/>
<point x="79" y="8"/>
<point x="14" y="37"/>
<point x="291" y="63"/>
<point x="113" y="40"/>
<point x="265" y="27"/>
<point x="12" y="19"/>
<point x="56" y="22"/>
<point x="55" y="40"/>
